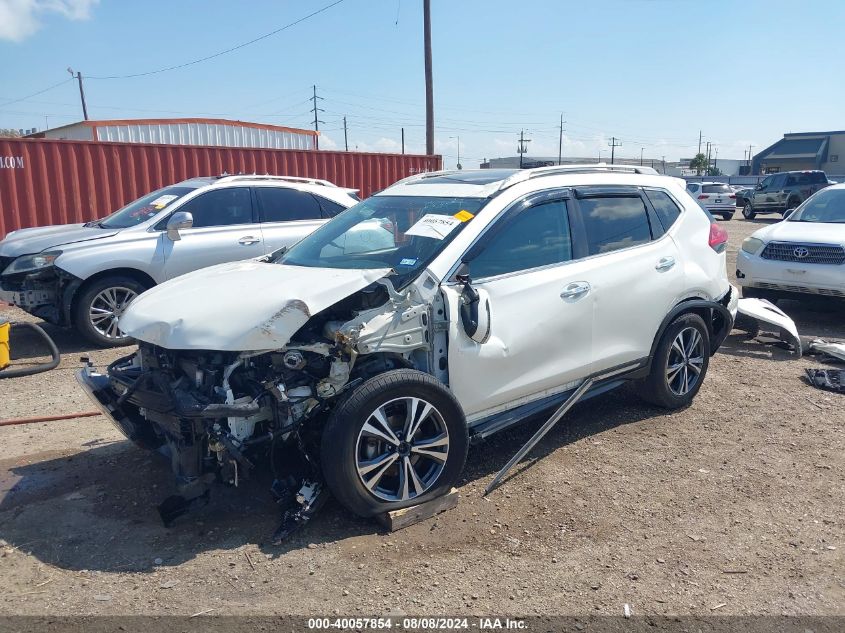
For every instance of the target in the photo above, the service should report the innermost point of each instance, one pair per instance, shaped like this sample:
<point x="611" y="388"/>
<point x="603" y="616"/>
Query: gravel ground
<point x="732" y="506"/>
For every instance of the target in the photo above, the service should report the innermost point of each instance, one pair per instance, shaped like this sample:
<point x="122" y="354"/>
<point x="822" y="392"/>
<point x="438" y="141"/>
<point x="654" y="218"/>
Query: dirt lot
<point x="737" y="501"/>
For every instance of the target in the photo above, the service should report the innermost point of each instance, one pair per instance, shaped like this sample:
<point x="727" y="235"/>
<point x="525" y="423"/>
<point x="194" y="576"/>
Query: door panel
<point x="538" y="340"/>
<point x="540" y="310"/>
<point x="224" y="230"/>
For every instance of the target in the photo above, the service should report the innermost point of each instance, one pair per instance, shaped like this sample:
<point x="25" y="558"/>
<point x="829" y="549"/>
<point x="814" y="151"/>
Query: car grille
<point x="828" y="292"/>
<point x="804" y="253"/>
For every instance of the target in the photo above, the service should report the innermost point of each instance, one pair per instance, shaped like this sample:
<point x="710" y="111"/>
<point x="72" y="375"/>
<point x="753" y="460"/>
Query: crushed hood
<point x="29" y="241"/>
<point x="239" y="306"/>
<point x="816" y="232"/>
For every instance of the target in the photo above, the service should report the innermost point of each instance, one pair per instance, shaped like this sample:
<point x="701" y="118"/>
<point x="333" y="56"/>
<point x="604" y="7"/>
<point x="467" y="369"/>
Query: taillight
<point x="703" y="196"/>
<point x="718" y="240"/>
<point x="732" y="196"/>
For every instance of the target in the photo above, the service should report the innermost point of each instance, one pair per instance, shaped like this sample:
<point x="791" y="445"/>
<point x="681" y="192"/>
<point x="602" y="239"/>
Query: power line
<point x="35" y="94"/>
<point x="224" y="52"/>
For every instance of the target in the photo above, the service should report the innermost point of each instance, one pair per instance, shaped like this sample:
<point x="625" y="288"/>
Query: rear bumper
<point x="753" y="271"/>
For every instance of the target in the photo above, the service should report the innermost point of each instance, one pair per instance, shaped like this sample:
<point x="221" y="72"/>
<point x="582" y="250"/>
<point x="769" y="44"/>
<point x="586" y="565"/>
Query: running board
<point x="541" y="432"/>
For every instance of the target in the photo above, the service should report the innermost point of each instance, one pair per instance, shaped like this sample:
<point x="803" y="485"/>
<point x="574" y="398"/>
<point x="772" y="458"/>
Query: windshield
<point x="828" y="205"/>
<point x="143" y="208"/>
<point x="400" y="232"/>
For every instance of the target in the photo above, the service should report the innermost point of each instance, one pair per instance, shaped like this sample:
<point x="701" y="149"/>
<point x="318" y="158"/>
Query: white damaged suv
<point x="478" y="299"/>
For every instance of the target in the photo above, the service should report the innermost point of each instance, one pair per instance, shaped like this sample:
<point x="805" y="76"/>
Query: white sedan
<point x="805" y="253"/>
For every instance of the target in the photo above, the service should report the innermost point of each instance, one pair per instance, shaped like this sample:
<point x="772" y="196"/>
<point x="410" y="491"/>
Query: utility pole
<point x="699" y="141"/>
<point x="749" y="155"/>
<point x="707" y="168"/>
<point x="78" y="77"/>
<point x="522" y="149"/>
<point x="458" y="164"/>
<point x="716" y="160"/>
<point x="429" y="85"/>
<point x="664" y="165"/>
<point x="560" y="142"/>
<point x="317" y="121"/>
<point x="641" y="155"/>
<point x="613" y="145"/>
<point x="345" y="137"/>
<point x="403" y="140"/>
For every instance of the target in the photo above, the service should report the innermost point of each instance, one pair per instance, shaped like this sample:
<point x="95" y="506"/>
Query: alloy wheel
<point x="107" y="307"/>
<point x="402" y="449"/>
<point x="685" y="361"/>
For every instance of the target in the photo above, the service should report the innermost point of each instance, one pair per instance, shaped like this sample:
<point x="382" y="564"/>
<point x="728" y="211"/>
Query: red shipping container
<point x="45" y="182"/>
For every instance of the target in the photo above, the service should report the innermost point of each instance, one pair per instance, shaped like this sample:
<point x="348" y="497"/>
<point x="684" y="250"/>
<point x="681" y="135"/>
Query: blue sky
<point x="650" y="72"/>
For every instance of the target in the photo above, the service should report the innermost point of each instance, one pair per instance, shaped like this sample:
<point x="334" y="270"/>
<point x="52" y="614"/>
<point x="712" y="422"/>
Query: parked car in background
<point x="85" y="275"/>
<point x="803" y="254"/>
<point x="369" y="370"/>
<point x="743" y="194"/>
<point x="717" y="197"/>
<point x="786" y="190"/>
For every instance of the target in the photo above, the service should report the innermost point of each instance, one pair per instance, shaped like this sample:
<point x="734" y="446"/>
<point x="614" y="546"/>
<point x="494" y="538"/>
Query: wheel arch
<point x="715" y="314"/>
<point x="133" y="273"/>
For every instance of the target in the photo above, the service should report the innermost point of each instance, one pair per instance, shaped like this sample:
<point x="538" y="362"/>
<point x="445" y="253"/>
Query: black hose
<point x="37" y="369"/>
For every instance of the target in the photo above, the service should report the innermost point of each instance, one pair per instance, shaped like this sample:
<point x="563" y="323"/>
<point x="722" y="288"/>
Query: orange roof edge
<point x="259" y="126"/>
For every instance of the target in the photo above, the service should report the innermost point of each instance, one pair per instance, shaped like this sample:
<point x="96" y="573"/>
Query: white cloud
<point x="327" y="142"/>
<point x="20" y="18"/>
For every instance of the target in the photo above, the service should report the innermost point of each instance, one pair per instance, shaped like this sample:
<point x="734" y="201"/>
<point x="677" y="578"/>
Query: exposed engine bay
<point x="220" y="415"/>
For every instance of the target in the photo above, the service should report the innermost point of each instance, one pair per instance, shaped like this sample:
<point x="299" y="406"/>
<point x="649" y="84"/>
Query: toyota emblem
<point x="801" y="252"/>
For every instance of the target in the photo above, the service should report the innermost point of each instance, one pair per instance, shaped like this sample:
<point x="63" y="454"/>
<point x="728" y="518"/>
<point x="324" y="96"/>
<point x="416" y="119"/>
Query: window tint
<point x="221" y="207"/>
<point x="330" y="209"/>
<point x="285" y="205"/>
<point x="613" y="223"/>
<point x="817" y="177"/>
<point x="665" y="207"/>
<point x="716" y="189"/>
<point x="692" y="187"/>
<point x="767" y="182"/>
<point x="538" y="236"/>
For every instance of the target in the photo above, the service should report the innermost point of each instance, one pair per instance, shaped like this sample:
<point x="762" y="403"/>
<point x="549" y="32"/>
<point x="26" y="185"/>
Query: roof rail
<point x="557" y="170"/>
<point x="309" y="181"/>
<point x="425" y="174"/>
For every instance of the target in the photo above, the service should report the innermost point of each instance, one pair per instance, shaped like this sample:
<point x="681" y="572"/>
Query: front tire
<point x="100" y="305"/>
<point x="399" y="439"/>
<point x="679" y="364"/>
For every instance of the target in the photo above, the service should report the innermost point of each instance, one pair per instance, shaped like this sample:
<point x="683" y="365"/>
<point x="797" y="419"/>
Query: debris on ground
<point x="754" y="314"/>
<point x="828" y="379"/>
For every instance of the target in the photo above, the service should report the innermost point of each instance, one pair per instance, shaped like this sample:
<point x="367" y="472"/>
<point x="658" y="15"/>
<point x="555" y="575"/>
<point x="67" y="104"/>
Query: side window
<point x="279" y="204"/>
<point x="692" y="187"/>
<point x="330" y="209"/>
<point x="791" y="181"/>
<point x="221" y="207"/>
<point x="613" y="223"/>
<point x="767" y="182"/>
<point x="665" y="207"/>
<point x="538" y="236"/>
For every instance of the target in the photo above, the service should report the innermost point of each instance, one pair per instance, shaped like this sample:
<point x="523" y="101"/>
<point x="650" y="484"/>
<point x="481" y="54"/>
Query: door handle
<point x="575" y="290"/>
<point x="664" y="263"/>
<point x="246" y="240"/>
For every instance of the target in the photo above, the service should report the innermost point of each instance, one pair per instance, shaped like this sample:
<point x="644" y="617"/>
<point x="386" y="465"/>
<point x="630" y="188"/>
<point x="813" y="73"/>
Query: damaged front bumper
<point x="46" y="294"/>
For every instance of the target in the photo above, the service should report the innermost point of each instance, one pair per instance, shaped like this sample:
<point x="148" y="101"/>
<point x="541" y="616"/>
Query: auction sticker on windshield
<point x="433" y="225"/>
<point x="163" y="201"/>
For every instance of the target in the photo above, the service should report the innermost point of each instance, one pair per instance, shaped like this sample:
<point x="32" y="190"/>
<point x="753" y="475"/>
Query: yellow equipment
<point x="5" y="355"/>
<point x="4" y="343"/>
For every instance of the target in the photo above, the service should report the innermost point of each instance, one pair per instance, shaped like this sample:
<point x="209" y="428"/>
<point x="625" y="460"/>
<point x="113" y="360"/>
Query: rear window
<point x="664" y="206"/>
<point x="716" y="189"/>
<point x="613" y="223"/>
<point x="817" y="177"/>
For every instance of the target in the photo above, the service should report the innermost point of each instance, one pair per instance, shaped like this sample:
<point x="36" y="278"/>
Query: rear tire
<point x="727" y="216"/>
<point x="679" y="365"/>
<point x="399" y="439"/>
<point x="99" y="306"/>
<point x="748" y="211"/>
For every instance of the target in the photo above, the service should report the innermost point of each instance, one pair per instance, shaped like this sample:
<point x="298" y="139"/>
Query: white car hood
<point x="239" y="306"/>
<point x="815" y="232"/>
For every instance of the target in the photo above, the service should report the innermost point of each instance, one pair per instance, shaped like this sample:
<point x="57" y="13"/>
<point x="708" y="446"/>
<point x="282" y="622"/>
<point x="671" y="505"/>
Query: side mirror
<point x="759" y="186"/>
<point x="178" y="221"/>
<point x="787" y="213"/>
<point x="474" y="309"/>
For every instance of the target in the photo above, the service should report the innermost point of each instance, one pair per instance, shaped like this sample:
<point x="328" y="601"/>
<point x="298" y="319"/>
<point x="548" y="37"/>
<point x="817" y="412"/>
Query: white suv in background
<point x="717" y="197"/>
<point x="498" y="294"/>
<point x="803" y="254"/>
<point x="85" y="275"/>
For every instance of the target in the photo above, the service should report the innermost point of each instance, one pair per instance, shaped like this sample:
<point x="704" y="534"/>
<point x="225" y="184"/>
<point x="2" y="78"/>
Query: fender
<point x="695" y="305"/>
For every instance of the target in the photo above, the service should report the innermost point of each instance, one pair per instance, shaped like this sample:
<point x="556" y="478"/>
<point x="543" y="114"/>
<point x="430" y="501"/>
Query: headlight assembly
<point x="752" y="245"/>
<point x="31" y="263"/>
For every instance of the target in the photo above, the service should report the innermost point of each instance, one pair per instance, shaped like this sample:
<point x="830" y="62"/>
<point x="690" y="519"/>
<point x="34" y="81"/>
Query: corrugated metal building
<point x="207" y="132"/>
<point x="46" y="181"/>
